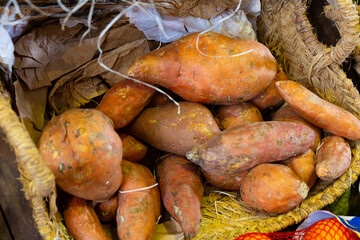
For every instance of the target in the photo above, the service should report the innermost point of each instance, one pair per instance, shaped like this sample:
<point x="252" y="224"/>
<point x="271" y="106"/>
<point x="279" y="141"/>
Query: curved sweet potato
<point x="333" y="158"/>
<point x="133" y="150"/>
<point x="181" y="191"/>
<point x="84" y="152"/>
<point x="163" y="128"/>
<point x="138" y="211"/>
<point x="226" y="181"/>
<point x="221" y="79"/>
<point x="273" y="188"/>
<point x="235" y="115"/>
<point x="82" y="222"/>
<point x="319" y="112"/>
<point x="240" y="148"/>
<point x="124" y="101"/>
<point x="106" y="211"/>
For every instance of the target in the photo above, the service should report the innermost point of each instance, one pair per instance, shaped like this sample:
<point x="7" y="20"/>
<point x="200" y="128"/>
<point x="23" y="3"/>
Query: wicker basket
<point x="284" y="27"/>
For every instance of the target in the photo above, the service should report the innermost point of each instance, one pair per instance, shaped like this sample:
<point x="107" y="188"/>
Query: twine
<point x="140" y="189"/>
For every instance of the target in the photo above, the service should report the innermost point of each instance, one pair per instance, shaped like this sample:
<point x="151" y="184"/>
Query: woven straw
<point x="285" y="29"/>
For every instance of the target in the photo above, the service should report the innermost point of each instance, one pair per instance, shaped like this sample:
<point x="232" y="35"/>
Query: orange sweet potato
<point x="235" y="115"/>
<point x="226" y="181"/>
<point x="333" y="158"/>
<point x="163" y="128"/>
<point x="84" y="152"/>
<point x="319" y="112"/>
<point x="181" y="191"/>
<point x="273" y="188"/>
<point x="124" y="101"/>
<point x="217" y="78"/>
<point x="138" y="211"/>
<point x="82" y="221"/>
<point x="240" y="148"/>
<point x="304" y="166"/>
<point x="106" y="211"/>
<point x="133" y="150"/>
<point x="270" y="97"/>
<point x="287" y="114"/>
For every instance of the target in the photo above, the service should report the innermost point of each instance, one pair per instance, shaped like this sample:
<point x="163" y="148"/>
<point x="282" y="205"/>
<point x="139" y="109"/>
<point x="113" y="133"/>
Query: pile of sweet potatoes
<point x="227" y="129"/>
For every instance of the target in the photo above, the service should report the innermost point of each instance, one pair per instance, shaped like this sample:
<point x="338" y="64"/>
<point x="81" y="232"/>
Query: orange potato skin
<point x="133" y="150"/>
<point x="304" y="166"/>
<point x="319" y="112"/>
<point x="271" y="96"/>
<point x="273" y="188"/>
<point x="163" y="128"/>
<point x="228" y="181"/>
<point x="124" y="101"/>
<point x="82" y="221"/>
<point x="287" y="114"/>
<point x="181" y="191"/>
<point x="138" y="211"/>
<point x="84" y="152"/>
<point x="224" y="80"/>
<point x="333" y="158"/>
<point x="106" y="211"/>
<point x="235" y="115"/>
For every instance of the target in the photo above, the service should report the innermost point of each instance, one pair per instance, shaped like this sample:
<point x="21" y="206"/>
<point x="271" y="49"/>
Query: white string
<point x="89" y="19"/>
<point x="79" y="5"/>
<point x="140" y="189"/>
<point x="63" y="7"/>
<point x="57" y="235"/>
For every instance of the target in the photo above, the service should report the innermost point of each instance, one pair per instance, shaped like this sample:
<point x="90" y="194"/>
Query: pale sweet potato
<point x="333" y="158"/>
<point x="133" y="149"/>
<point x="163" y="128"/>
<point x="217" y="78"/>
<point x="319" y="112"/>
<point x="181" y="191"/>
<point x="273" y="188"/>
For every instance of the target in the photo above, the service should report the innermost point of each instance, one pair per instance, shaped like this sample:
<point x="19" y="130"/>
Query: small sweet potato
<point x="319" y="112"/>
<point x="235" y="115"/>
<point x="273" y="188"/>
<point x="240" y="148"/>
<point x="81" y="220"/>
<point x="159" y="99"/>
<point x="124" y="101"/>
<point x="181" y="191"/>
<point x="214" y="75"/>
<point x="84" y="152"/>
<point x="287" y="114"/>
<point x="137" y="211"/>
<point x="226" y="181"/>
<point x="163" y="128"/>
<point x="304" y="166"/>
<point x="106" y="211"/>
<point x="270" y="97"/>
<point x="333" y="158"/>
<point x="133" y="150"/>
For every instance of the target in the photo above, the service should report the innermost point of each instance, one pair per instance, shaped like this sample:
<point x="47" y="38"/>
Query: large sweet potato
<point x="273" y="188"/>
<point x="84" y="152"/>
<point x="333" y="158"/>
<point x="181" y="191"/>
<point x="82" y="221"/>
<point x="124" y="101"/>
<point x="138" y="211"/>
<point x="319" y="112"/>
<point x="215" y="77"/>
<point x="163" y="128"/>
<point x="238" y="149"/>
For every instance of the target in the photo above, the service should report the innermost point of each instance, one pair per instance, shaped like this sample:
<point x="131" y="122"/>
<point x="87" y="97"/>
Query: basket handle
<point x="31" y="165"/>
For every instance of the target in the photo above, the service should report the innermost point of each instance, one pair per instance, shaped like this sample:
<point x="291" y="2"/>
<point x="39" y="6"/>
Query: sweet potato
<point x="181" y="191"/>
<point x="270" y="97"/>
<point x="133" y="150"/>
<point x="240" y="148"/>
<point x="215" y="77"/>
<point x="163" y="128"/>
<point x="235" y="115"/>
<point x="287" y="114"/>
<point x="124" y="101"/>
<point x="159" y="99"/>
<point x="333" y="158"/>
<point x="273" y="188"/>
<point x="81" y="220"/>
<point x="84" y="152"/>
<point x="303" y="165"/>
<point x="319" y="112"/>
<point x="106" y="211"/>
<point x="138" y="211"/>
<point x="226" y="181"/>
